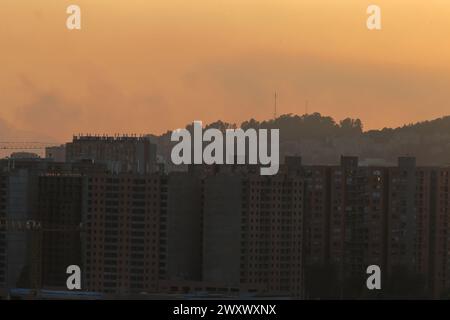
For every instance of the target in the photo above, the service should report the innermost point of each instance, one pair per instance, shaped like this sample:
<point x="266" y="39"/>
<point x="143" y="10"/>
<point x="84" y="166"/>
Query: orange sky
<point x="151" y="65"/>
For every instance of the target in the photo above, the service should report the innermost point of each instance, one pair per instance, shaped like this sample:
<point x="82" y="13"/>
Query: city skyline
<point x="162" y="64"/>
<point x="225" y="157"/>
<point x="309" y="232"/>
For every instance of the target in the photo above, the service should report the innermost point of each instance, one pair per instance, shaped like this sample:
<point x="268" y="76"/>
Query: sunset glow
<point x="150" y="66"/>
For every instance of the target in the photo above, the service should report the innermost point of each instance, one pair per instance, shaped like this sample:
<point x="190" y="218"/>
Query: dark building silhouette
<point x="357" y="218"/>
<point x="317" y="214"/>
<point x="440" y="240"/>
<point x="50" y="194"/>
<point x="121" y="154"/>
<point x="307" y="232"/>
<point x="59" y="209"/>
<point x="19" y="206"/>
<point x="253" y="230"/>
<point x="123" y="222"/>
<point x="3" y="199"/>
<point x="56" y="153"/>
<point x="409" y="212"/>
<point x="182" y="230"/>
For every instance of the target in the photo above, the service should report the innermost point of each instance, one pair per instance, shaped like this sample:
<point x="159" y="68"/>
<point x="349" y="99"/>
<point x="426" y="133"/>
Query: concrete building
<point x="317" y="214"/>
<point x="222" y="236"/>
<point x="253" y="230"/>
<point x="56" y="153"/>
<point x="357" y="218"/>
<point x="121" y="248"/>
<point x="227" y="229"/>
<point x="3" y="202"/>
<point x="409" y="212"/>
<point x="21" y="200"/>
<point x="17" y="202"/>
<point x="59" y="204"/>
<point x="49" y="193"/>
<point x="24" y="155"/>
<point x="440" y="235"/>
<point x="121" y="154"/>
<point x="274" y="230"/>
<point x="182" y="232"/>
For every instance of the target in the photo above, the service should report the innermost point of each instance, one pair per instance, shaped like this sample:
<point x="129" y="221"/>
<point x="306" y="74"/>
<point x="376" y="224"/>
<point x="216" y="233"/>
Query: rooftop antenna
<point x="306" y="107"/>
<point x="275" y="106"/>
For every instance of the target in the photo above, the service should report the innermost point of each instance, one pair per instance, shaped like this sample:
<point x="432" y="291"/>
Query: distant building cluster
<point x="118" y="153"/>
<point x="307" y="232"/>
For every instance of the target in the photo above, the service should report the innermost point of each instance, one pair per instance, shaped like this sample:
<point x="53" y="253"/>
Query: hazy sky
<point x="152" y="65"/>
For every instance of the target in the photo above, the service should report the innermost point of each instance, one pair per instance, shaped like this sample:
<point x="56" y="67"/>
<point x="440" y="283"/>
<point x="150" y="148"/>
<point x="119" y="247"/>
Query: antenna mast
<point x="275" y="106"/>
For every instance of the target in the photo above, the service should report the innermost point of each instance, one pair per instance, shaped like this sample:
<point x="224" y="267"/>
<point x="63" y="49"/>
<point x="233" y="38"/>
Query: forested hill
<point x="321" y="140"/>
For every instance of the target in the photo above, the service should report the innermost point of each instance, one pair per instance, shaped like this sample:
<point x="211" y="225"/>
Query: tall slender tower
<point x="275" y="106"/>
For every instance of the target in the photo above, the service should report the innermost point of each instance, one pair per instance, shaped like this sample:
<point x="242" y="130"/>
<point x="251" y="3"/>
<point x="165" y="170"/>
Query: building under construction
<point x="125" y="154"/>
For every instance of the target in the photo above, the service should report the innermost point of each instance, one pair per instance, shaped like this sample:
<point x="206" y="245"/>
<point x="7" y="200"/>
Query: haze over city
<point x="224" y="151"/>
<point x="152" y="66"/>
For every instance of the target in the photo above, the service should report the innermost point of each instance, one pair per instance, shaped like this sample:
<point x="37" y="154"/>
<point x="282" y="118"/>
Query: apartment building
<point x="59" y="210"/>
<point x="124" y="216"/>
<point x="253" y="230"/>
<point x="121" y="154"/>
